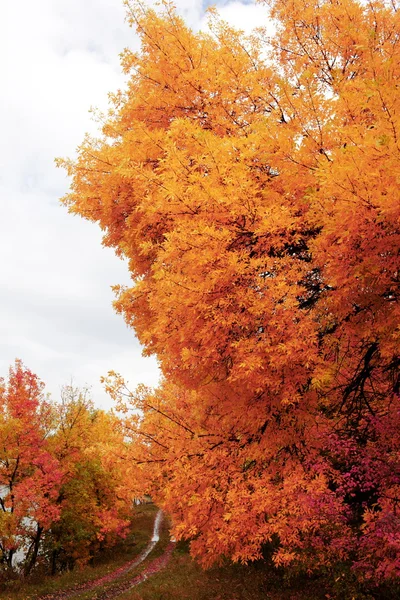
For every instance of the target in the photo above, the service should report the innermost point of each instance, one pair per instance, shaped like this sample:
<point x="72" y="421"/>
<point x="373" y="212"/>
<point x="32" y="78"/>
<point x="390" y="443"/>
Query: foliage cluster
<point x="64" y="486"/>
<point x="252" y="184"/>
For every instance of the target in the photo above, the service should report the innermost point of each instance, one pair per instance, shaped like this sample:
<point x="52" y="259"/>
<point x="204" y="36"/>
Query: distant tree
<point x="66" y="486"/>
<point x="95" y="497"/>
<point x="252" y="184"/>
<point x="30" y="476"/>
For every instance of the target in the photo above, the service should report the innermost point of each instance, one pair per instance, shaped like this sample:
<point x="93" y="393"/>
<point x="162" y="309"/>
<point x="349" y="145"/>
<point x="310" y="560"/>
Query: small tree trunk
<point x="9" y="558"/>
<point x="54" y="562"/>
<point x="31" y="561"/>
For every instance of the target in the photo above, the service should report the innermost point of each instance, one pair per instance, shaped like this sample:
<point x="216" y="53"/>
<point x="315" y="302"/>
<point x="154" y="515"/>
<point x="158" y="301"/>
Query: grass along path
<point x="116" y="558"/>
<point x="123" y="586"/>
<point x="184" y="579"/>
<point x="153" y="567"/>
<point x="118" y="572"/>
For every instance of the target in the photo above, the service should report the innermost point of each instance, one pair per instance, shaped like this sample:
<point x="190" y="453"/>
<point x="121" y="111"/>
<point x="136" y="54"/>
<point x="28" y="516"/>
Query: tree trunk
<point x="31" y="561"/>
<point x="54" y="562"/>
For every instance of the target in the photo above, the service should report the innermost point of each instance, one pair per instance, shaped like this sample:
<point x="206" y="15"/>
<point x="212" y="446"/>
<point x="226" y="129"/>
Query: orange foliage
<point x="95" y="498"/>
<point x="252" y="184"/>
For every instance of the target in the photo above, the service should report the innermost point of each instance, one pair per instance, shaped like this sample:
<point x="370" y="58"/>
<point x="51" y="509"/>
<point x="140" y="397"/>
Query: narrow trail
<point x="153" y="567"/>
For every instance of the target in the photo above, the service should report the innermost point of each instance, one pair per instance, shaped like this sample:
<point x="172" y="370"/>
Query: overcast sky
<point x="59" y="58"/>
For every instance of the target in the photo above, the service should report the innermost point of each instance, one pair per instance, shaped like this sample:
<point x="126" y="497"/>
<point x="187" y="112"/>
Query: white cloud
<point x="244" y="15"/>
<point x="55" y="302"/>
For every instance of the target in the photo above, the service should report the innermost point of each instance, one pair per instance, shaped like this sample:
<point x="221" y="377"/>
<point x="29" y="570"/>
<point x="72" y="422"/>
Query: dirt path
<point x="153" y="567"/>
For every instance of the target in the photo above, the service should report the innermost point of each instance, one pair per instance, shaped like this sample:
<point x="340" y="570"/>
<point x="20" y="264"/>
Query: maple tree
<point x="251" y="182"/>
<point x="29" y="475"/>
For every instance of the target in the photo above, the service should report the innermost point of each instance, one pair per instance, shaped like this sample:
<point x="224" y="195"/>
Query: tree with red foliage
<point x="29" y="475"/>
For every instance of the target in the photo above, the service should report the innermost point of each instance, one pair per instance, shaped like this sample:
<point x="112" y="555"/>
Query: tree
<point x="66" y="489"/>
<point x="252" y="185"/>
<point x="95" y="496"/>
<point x="29" y="475"/>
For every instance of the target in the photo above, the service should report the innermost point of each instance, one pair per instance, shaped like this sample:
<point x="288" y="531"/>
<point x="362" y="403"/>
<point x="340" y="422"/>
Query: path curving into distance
<point x="114" y="591"/>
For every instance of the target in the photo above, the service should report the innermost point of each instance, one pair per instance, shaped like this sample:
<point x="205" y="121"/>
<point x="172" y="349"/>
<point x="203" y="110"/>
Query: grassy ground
<point x="111" y="589"/>
<point x="106" y="562"/>
<point x="181" y="579"/>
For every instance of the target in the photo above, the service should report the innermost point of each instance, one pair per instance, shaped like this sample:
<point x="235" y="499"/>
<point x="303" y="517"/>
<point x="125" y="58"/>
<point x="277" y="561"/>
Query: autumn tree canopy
<point x="29" y="475"/>
<point x="252" y="184"/>
<point x="96" y="492"/>
<point x="66" y="486"/>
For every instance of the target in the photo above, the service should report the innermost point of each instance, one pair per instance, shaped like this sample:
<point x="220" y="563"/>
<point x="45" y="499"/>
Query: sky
<point x="58" y="59"/>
